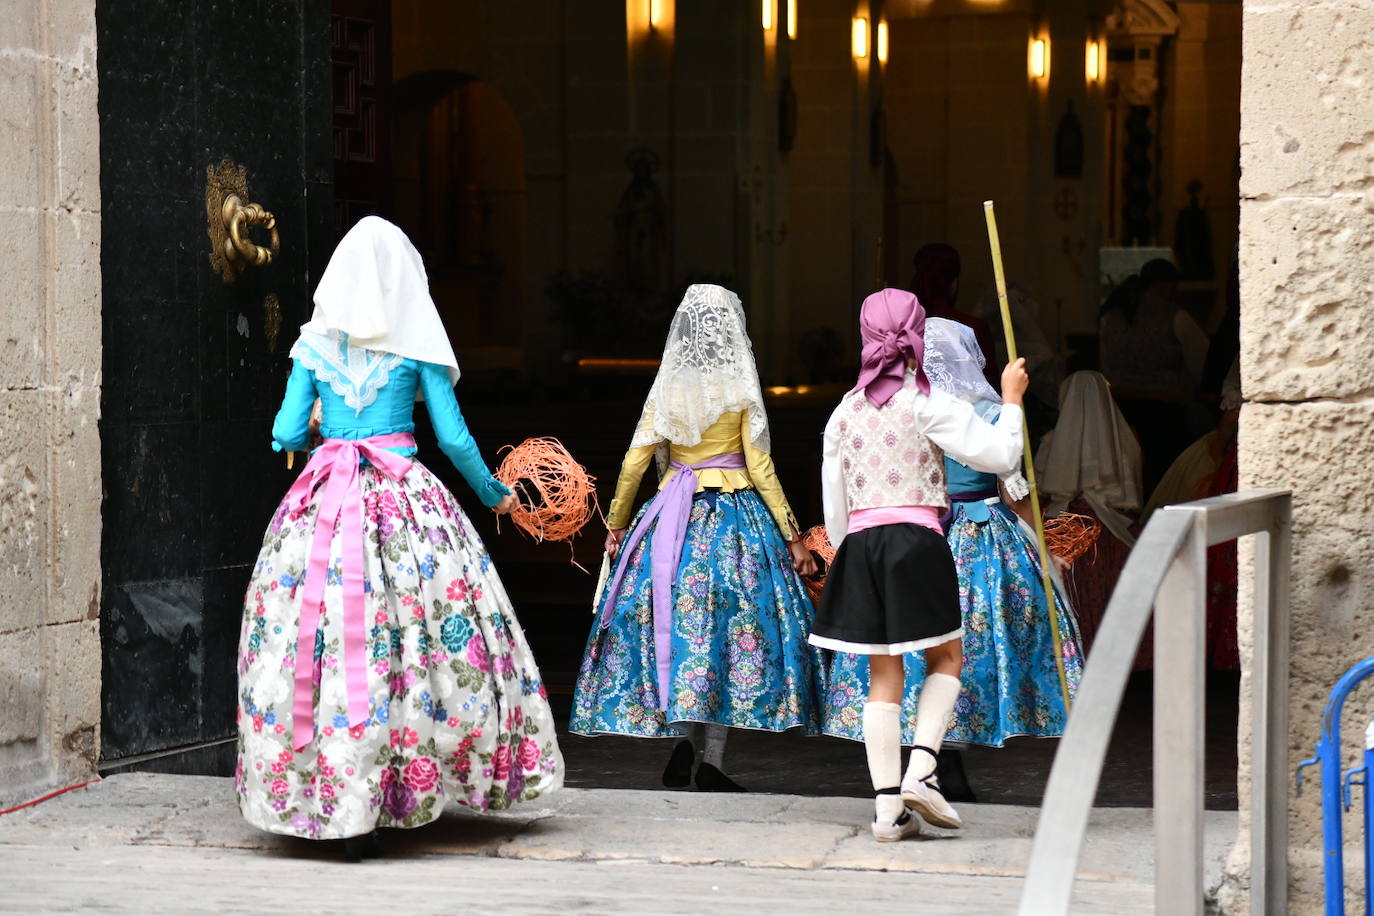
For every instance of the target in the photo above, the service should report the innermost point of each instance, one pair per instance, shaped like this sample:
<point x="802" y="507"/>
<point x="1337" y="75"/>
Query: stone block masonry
<point x="1307" y="191"/>
<point x="50" y="377"/>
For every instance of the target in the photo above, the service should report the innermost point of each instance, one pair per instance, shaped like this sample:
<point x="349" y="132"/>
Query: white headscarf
<point x="1092" y="452"/>
<point x="954" y="364"/>
<point x="374" y="296"/>
<point x="707" y="370"/>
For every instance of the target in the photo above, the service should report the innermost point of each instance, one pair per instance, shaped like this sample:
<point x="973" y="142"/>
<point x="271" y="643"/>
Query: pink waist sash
<point x="925" y="516"/>
<point x="335" y="467"/>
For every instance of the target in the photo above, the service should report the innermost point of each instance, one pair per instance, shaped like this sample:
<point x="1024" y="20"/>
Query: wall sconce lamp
<point x="768" y="15"/>
<point x="655" y="14"/>
<point x="1094" y="63"/>
<point x="792" y="19"/>
<point x="1039" y="58"/>
<point x="860" y="37"/>
<point x="882" y="41"/>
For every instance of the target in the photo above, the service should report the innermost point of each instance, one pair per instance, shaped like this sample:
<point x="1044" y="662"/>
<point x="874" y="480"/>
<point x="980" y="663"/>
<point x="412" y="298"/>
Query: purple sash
<point x="671" y="508"/>
<point x="965" y="496"/>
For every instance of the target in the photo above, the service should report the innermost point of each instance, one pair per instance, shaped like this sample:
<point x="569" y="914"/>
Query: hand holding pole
<point x="1001" y="279"/>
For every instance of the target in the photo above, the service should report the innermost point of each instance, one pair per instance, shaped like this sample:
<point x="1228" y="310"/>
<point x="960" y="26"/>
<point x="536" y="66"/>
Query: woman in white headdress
<point x="1089" y="464"/>
<point x="705" y="619"/>
<point x="382" y="673"/>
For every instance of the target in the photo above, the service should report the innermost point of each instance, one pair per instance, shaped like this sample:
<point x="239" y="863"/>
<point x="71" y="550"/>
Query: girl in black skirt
<point x="892" y="588"/>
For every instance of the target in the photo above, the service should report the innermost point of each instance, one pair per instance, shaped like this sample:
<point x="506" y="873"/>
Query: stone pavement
<point x="147" y="843"/>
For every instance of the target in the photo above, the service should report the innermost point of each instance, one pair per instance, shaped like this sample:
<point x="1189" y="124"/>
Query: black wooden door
<point x="192" y="378"/>
<point x="360" y="51"/>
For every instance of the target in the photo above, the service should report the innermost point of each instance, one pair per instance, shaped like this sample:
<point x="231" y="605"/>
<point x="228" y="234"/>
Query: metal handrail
<point x="1166" y="573"/>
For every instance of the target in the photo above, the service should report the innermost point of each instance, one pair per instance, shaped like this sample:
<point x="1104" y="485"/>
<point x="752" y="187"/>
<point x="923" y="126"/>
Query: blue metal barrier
<point x="1335" y="791"/>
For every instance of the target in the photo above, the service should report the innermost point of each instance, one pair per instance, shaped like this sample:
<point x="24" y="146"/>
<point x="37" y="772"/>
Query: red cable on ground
<point x="36" y="801"/>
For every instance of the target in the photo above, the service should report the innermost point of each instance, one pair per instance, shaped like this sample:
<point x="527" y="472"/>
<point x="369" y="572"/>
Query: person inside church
<point x="935" y="281"/>
<point x="1089" y="465"/>
<point x="1152" y="352"/>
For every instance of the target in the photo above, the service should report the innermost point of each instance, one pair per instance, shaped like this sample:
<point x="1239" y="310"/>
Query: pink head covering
<point x="892" y="325"/>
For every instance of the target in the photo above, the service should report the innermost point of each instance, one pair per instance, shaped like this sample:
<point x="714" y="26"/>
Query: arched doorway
<point x="458" y="187"/>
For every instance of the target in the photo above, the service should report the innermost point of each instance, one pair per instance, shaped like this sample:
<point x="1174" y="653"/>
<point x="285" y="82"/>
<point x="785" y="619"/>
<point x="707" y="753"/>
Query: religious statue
<point x="641" y="228"/>
<point x="1193" y="238"/>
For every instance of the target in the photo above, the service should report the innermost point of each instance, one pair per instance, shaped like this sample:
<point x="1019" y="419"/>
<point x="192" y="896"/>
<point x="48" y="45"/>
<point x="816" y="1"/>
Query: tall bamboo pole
<point x="1001" y="279"/>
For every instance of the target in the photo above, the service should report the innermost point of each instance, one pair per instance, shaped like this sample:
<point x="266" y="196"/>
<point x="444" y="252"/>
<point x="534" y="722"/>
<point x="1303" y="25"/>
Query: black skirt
<point x="890" y="590"/>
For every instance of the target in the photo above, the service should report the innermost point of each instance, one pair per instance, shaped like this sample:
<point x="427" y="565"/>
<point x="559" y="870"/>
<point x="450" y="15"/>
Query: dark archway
<point x="458" y="188"/>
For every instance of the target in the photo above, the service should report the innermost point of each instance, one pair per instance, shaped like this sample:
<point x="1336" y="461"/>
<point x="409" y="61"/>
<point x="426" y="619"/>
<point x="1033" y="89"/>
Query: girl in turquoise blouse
<point x="382" y="672"/>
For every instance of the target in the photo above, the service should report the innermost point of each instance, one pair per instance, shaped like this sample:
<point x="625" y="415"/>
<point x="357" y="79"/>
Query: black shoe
<point x="366" y="846"/>
<point x="678" y="773"/>
<point x="949" y="772"/>
<point x="711" y="779"/>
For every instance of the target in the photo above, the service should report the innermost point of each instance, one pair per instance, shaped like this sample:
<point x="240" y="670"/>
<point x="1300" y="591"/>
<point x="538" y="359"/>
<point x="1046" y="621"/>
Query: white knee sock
<point x="934" y="711"/>
<point x="883" y="745"/>
<point x="715" y="746"/>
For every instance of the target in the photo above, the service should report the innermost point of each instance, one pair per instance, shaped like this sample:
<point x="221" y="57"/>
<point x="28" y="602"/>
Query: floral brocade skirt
<point x="1010" y="683"/>
<point x="457" y="709"/>
<point x="740" y="623"/>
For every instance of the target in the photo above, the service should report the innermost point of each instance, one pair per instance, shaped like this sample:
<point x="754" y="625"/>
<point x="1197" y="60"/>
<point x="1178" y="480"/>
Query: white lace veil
<point x="707" y="370"/>
<point x="954" y="364"/>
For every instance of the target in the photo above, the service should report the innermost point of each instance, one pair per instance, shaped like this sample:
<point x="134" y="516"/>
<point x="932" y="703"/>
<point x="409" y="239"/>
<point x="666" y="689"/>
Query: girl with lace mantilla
<point x="382" y="672"/>
<point x="893" y="587"/>
<point x="1009" y="680"/>
<point x="705" y="617"/>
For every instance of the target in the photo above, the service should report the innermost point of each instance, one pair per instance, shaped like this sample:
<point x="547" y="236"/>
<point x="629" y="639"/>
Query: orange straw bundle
<point x="1069" y="536"/>
<point x="817" y="541"/>
<point x="556" y="497"/>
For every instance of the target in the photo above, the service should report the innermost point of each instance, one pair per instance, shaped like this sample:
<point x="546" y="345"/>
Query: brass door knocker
<point x="229" y="214"/>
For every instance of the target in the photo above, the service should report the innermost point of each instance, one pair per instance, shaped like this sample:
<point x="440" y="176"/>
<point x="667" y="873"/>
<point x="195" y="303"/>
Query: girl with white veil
<point x="705" y="617"/>
<point x="1009" y="683"/>
<point x="382" y="672"/>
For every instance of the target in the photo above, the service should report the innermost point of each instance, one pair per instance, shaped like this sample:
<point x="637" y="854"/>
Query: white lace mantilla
<point x="707" y="370"/>
<point x="353" y="373"/>
<point x="954" y="362"/>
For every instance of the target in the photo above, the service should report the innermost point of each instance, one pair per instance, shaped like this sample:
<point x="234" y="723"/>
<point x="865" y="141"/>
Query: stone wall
<point x="50" y="376"/>
<point x="1307" y="193"/>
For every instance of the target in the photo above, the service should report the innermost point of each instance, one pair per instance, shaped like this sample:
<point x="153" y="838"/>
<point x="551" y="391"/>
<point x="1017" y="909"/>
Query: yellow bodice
<point x="723" y="437"/>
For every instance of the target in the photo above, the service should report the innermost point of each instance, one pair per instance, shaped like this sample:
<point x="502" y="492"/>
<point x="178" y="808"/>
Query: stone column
<point x="50" y="361"/>
<point x="1307" y="155"/>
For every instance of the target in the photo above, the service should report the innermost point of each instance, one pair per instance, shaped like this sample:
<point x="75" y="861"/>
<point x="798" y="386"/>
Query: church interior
<point x="568" y="169"/>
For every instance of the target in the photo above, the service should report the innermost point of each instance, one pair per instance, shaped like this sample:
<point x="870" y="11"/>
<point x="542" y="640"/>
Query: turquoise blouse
<point x="962" y="479"/>
<point x="393" y="411"/>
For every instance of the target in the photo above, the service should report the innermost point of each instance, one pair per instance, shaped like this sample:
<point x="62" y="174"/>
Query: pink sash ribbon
<point x="671" y="509"/>
<point x="334" y="465"/>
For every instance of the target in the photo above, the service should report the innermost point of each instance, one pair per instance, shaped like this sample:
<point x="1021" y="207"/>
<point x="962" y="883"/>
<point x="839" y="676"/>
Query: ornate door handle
<point x="230" y="213"/>
<point x="237" y="217"/>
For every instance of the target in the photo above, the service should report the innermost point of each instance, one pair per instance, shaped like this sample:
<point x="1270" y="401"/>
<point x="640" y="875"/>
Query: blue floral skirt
<point x="1010" y="680"/>
<point x="740" y="623"/>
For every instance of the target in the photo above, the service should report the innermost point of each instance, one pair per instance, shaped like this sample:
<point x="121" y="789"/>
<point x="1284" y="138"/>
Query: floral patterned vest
<point x="887" y="461"/>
